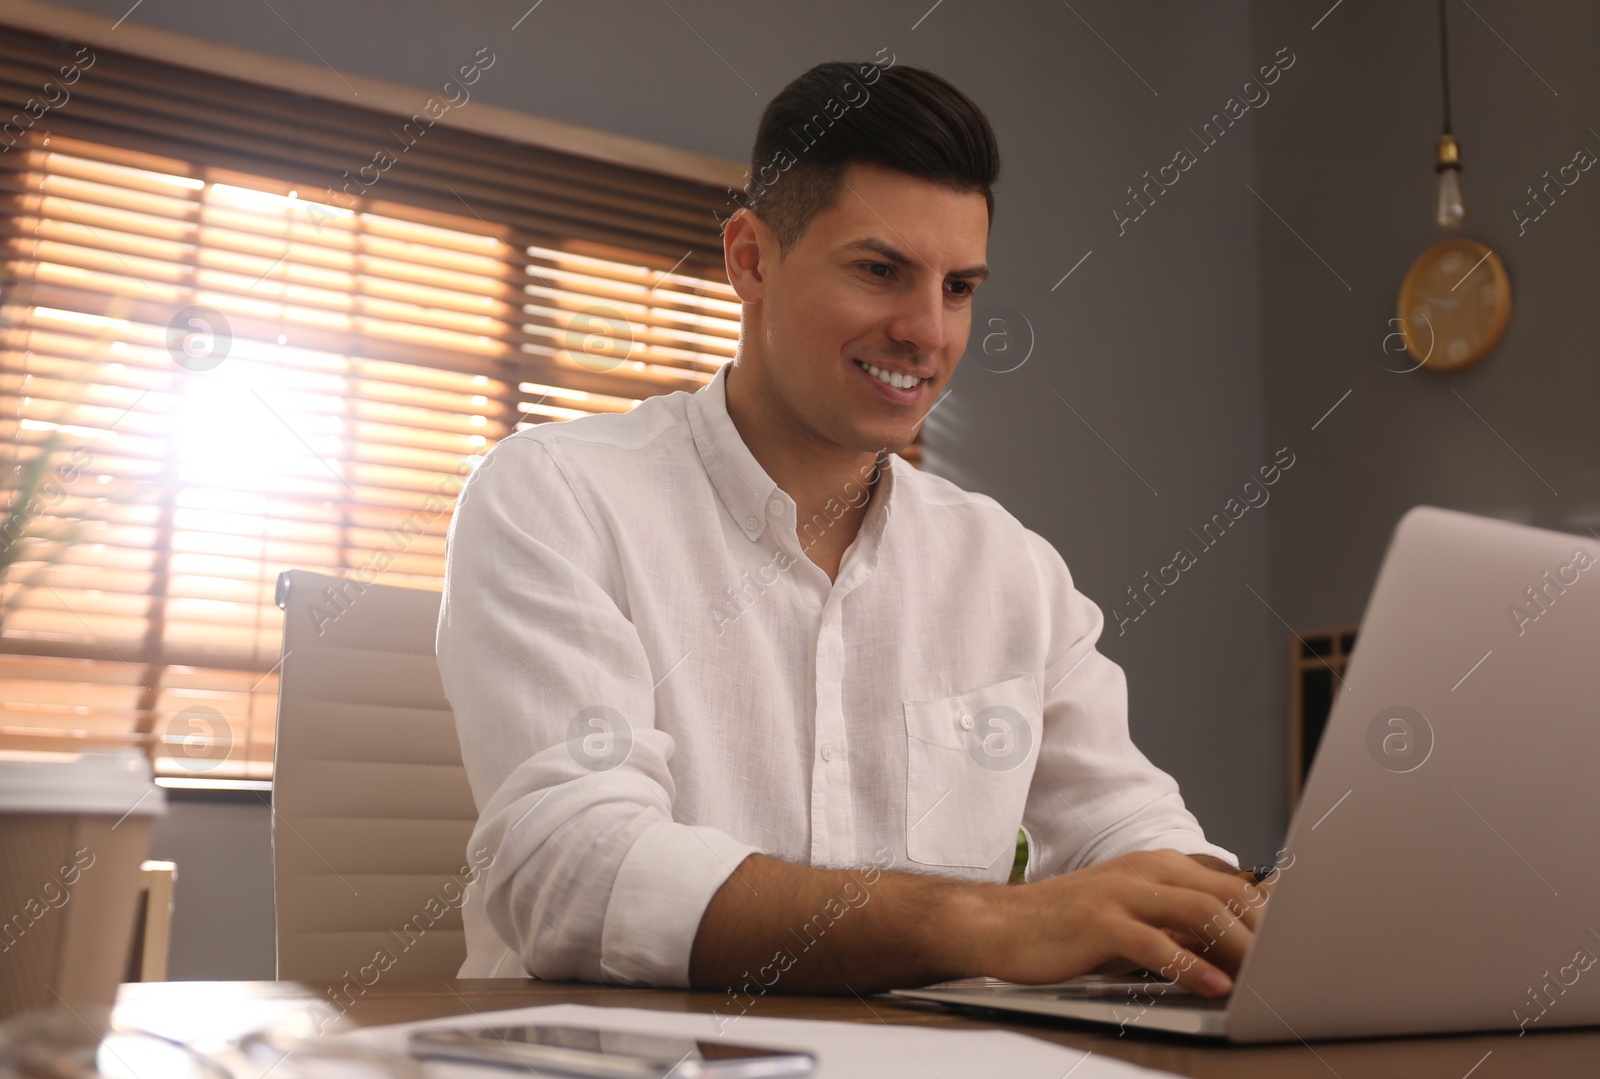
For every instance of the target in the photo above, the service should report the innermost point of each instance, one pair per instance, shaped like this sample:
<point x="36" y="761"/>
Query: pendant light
<point x="1451" y="209"/>
<point x="1455" y="301"/>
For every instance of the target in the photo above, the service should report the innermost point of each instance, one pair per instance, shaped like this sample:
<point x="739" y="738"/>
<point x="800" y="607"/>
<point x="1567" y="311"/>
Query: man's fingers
<point x="1156" y="951"/>
<point x="1243" y="899"/>
<point x="1183" y="938"/>
<point x="1220" y="936"/>
<point x="1248" y="910"/>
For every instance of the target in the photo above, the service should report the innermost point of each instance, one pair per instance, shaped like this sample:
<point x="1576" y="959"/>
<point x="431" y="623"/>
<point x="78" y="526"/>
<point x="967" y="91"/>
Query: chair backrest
<point x="371" y="807"/>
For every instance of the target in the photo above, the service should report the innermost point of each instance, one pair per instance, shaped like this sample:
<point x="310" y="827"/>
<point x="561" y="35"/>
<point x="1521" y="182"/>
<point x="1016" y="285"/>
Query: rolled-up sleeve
<point x="1094" y="795"/>
<point x="552" y="690"/>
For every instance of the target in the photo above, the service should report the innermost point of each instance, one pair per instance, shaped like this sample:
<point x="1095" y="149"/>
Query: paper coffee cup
<point x="72" y="836"/>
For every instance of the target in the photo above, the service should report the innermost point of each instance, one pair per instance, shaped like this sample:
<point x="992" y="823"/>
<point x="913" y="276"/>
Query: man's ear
<point x="746" y="245"/>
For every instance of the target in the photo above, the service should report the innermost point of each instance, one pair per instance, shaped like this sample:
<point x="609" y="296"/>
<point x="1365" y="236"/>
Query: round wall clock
<point x="1454" y="304"/>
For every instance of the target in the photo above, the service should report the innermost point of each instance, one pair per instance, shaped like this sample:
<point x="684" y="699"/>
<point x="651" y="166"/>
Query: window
<point x="246" y="435"/>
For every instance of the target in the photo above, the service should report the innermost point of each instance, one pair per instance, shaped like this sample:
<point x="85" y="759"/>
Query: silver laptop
<point x="1442" y="870"/>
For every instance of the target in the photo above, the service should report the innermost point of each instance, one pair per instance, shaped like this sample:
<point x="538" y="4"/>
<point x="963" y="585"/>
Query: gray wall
<point x="1187" y="350"/>
<point x="1350" y="168"/>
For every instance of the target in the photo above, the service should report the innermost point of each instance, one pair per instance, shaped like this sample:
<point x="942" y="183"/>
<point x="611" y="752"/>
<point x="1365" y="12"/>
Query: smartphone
<point x="614" y="1054"/>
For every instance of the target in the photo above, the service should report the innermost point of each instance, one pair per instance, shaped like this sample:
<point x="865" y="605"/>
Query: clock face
<point x="1454" y="304"/>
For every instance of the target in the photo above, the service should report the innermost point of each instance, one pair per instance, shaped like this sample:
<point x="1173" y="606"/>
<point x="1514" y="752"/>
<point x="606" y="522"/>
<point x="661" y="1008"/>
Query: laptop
<point x="1441" y="871"/>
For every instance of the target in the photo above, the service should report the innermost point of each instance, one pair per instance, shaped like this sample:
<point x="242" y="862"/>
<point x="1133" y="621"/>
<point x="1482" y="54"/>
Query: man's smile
<point x="897" y="387"/>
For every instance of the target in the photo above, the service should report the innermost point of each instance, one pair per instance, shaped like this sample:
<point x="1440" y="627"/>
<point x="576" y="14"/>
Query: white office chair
<point x="372" y="810"/>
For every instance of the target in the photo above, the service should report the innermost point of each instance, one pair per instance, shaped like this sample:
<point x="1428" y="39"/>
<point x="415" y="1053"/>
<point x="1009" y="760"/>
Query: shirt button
<point x="966" y="722"/>
<point x="827" y="751"/>
<point x="775" y="507"/>
<point x="752" y="523"/>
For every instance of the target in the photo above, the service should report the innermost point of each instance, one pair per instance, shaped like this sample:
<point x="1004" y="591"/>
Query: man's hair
<point x="906" y="118"/>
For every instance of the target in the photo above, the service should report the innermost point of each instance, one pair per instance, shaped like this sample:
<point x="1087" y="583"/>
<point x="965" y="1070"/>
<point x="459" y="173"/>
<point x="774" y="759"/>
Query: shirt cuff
<point x="661" y="891"/>
<point x="1189" y="843"/>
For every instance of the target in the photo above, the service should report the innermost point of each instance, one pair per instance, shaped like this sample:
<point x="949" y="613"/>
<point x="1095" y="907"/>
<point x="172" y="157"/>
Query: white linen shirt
<point x="651" y="681"/>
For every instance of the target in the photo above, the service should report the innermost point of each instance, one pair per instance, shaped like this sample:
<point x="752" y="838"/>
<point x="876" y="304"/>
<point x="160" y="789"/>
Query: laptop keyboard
<point x="1139" y="994"/>
<point x="1145" y="1000"/>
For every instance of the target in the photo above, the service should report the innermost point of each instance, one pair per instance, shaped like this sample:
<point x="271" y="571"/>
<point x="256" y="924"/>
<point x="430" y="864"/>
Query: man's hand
<point x="777" y="926"/>
<point x="1167" y="912"/>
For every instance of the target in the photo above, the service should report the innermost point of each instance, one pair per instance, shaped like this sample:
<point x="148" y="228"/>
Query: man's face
<point x="883" y="277"/>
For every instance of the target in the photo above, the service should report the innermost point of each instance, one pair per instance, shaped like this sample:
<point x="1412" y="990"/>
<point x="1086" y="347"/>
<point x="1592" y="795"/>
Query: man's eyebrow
<point x="893" y="254"/>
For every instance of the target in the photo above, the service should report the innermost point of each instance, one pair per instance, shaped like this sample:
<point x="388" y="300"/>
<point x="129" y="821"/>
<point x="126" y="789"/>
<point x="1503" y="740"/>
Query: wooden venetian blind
<point x="240" y="372"/>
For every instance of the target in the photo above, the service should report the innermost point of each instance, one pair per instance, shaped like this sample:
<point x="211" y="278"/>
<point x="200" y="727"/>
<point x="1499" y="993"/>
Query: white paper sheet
<point x="843" y="1050"/>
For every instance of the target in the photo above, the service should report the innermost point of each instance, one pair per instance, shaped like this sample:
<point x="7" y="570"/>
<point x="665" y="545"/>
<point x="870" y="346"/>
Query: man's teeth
<point x="895" y="379"/>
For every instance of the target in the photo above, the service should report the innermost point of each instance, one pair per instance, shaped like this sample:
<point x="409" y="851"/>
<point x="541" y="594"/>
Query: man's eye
<point x="873" y="267"/>
<point x="965" y="285"/>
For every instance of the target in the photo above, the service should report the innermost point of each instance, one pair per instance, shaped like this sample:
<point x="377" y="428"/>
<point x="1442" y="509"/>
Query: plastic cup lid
<point x="117" y="782"/>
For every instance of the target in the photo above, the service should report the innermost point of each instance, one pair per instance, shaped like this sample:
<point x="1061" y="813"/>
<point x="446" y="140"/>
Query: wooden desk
<point x="217" y="1010"/>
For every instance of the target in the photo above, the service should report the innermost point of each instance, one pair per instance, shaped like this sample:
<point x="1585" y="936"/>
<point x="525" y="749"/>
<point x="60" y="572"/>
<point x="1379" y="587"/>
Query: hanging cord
<point x="1444" y="65"/>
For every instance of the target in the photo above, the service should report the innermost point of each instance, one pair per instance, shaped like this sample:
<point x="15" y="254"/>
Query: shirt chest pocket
<point x="969" y="761"/>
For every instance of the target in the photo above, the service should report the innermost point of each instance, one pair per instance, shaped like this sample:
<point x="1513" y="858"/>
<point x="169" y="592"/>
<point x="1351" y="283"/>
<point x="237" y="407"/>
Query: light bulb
<point x="1452" y="210"/>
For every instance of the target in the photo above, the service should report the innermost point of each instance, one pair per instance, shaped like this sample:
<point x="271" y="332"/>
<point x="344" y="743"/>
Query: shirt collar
<point x="749" y="494"/>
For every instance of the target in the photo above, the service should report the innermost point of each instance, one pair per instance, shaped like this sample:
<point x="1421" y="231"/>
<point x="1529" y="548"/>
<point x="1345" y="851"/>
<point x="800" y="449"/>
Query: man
<point x="738" y="690"/>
